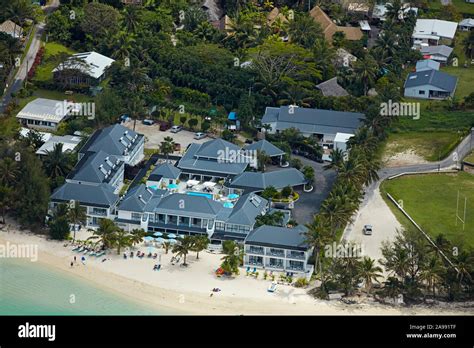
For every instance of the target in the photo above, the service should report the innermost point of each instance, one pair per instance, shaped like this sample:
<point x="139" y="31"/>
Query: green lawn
<point x="470" y="158"/>
<point x="431" y="146"/>
<point x="461" y="5"/>
<point x="44" y="71"/>
<point x="465" y="80"/>
<point x="431" y="201"/>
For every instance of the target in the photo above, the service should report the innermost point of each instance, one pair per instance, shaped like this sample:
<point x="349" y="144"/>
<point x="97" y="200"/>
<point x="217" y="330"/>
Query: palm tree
<point x="8" y="171"/>
<point x="121" y="239"/>
<point x="199" y="244"/>
<point x="136" y="236"/>
<point x="56" y="162"/>
<point x="305" y="31"/>
<point x="77" y="215"/>
<point x="464" y="263"/>
<point x="369" y="271"/>
<point x="131" y="18"/>
<point x="308" y="172"/>
<point x="241" y="32"/>
<point x="167" y="146"/>
<point x="318" y="236"/>
<point x="183" y="247"/>
<point x="262" y="160"/>
<point x="167" y="246"/>
<point x="337" y="159"/>
<point x="205" y="31"/>
<point x="431" y="273"/>
<point x="468" y="45"/>
<point x="393" y="11"/>
<point x="365" y="72"/>
<point x="5" y="199"/>
<point x="323" y="56"/>
<point x="105" y="233"/>
<point x="121" y="46"/>
<point x="233" y="257"/>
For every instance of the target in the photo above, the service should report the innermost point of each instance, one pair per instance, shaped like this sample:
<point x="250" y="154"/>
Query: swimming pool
<point x="201" y="194"/>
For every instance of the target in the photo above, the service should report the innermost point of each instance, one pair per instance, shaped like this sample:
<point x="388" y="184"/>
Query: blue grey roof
<point x="434" y="78"/>
<point x="96" y="167"/>
<point x="180" y="203"/>
<point x="314" y="120"/>
<point x="258" y="181"/>
<point x="275" y="236"/>
<point x="140" y="198"/>
<point x="441" y="50"/>
<point x="215" y="148"/>
<point x="427" y="64"/>
<point x="165" y="170"/>
<point x="247" y="208"/>
<point x="102" y="195"/>
<point x="113" y="140"/>
<point x="193" y="161"/>
<point x="265" y="146"/>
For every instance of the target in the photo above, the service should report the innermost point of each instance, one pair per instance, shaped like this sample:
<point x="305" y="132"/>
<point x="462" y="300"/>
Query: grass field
<point x="431" y="146"/>
<point x="469" y="158"/>
<point x="431" y="201"/>
<point x="44" y="71"/>
<point x="461" y="5"/>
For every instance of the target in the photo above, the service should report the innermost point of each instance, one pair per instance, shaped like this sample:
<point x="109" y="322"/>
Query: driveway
<point x="154" y="137"/>
<point x="310" y="202"/>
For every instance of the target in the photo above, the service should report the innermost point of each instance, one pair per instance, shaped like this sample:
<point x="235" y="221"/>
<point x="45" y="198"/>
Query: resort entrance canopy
<point x="265" y="146"/>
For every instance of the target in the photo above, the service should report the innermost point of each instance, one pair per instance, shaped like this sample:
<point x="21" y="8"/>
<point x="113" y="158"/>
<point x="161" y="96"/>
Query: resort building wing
<point x="312" y="122"/>
<point x="276" y="248"/>
<point x="118" y="141"/>
<point x="215" y="158"/>
<point x="258" y="181"/>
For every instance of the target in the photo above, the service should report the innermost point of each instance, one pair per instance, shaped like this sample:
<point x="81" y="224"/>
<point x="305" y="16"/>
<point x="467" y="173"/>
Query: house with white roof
<point x="89" y="68"/>
<point x="466" y="24"/>
<point x="340" y="141"/>
<point x="44" y="113"/>
<point x="69" y="143"/>
<point x="430" y="31"/>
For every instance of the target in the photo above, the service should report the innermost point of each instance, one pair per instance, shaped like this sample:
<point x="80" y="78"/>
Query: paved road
<point x="28" y="60"/>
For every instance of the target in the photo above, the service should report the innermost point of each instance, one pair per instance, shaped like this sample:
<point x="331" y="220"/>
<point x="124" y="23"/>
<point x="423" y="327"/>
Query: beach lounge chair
<point x="101" y="253"/>
<point x="76" y="248"/>
<point x="272" y="287"/>
<point x="255" y="270"/>
<point x="248" y="269"/>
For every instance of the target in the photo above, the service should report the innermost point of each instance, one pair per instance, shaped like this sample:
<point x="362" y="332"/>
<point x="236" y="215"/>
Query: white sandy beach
<point x="186" y="290"/>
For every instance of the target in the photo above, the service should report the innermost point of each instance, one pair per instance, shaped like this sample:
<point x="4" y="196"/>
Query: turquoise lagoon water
<point x="30" y="288"/>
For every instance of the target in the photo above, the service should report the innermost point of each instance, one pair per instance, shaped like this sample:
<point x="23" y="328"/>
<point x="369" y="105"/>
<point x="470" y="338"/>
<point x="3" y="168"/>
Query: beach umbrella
<point x="233" y="196"/>
<point x="157" y="234"/>
<point x="173" y="186"/>
<point x="171" y="235"/>
<point x="228" y="205"/>
<point x="159" y="240"/>
<point x="179" y="236"/>
<point x="172" y="241"/>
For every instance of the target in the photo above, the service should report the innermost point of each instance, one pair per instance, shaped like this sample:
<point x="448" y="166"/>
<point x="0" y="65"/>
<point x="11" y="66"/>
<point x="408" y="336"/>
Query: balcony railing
<point x="98" y="212"/>
<point x="295" y="268"/>
<point x="278" y="266"/>
<point x="295" y="256"/>
<point x="275" y="253"/>
<point x="255" y="251"/>
<point x="255" y="263"/>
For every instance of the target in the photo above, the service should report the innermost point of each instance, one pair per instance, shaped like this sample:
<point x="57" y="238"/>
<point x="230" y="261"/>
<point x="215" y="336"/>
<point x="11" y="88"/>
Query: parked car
<point x="367" y="230"/>
<point x="199" y="135"/>
<point x="176" y="129"/>
<point x="164" y="126"/>
<point x="148" y="122"/>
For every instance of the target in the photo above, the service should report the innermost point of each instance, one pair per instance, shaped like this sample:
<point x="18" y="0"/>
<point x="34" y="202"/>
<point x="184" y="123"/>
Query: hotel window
<point x="421" y="92"/>
<point x="136" y="216"/>
<point x="220" y="226"/>
<point x="196" y="222"/>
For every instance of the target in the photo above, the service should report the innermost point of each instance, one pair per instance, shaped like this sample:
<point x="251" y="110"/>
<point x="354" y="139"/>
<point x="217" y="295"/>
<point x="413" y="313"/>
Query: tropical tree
<point x="337" y="160"/>
<point x="468" y="45"/>
<point x="200" y="243"/>
<point x="9" y="171"/>
<point x="305" y="31"/>
<point x="365" y="72"/>
<point x="57" y="163"/>
<point x="6" y="194"/>
<point x="77" y="215"/>
<point x="182" y="248"/>
<point x="59" y="224"/>
<point x="167" y="146"/>
<point x="432" y="273"/>
<point x="262" y="160"/>
<point x="318" y="236"/>
<point x="136" y="236"/>
<point x="308" y="173"/>
<point x="105" y="233"/>
<point x="369" y="272"/>
<point x="233" y="257"/>
<point x="324" y="55"/>
<point x="121" y="239"/>
<point x="167" y="246"/>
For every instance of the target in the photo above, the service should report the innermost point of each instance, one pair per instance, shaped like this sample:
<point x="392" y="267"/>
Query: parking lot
<point x="154" y="137"/>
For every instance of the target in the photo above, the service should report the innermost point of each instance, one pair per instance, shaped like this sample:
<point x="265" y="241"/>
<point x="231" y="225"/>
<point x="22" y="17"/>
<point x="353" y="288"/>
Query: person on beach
<point x="74" y="259"/>
<point x="72" y="264"/>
